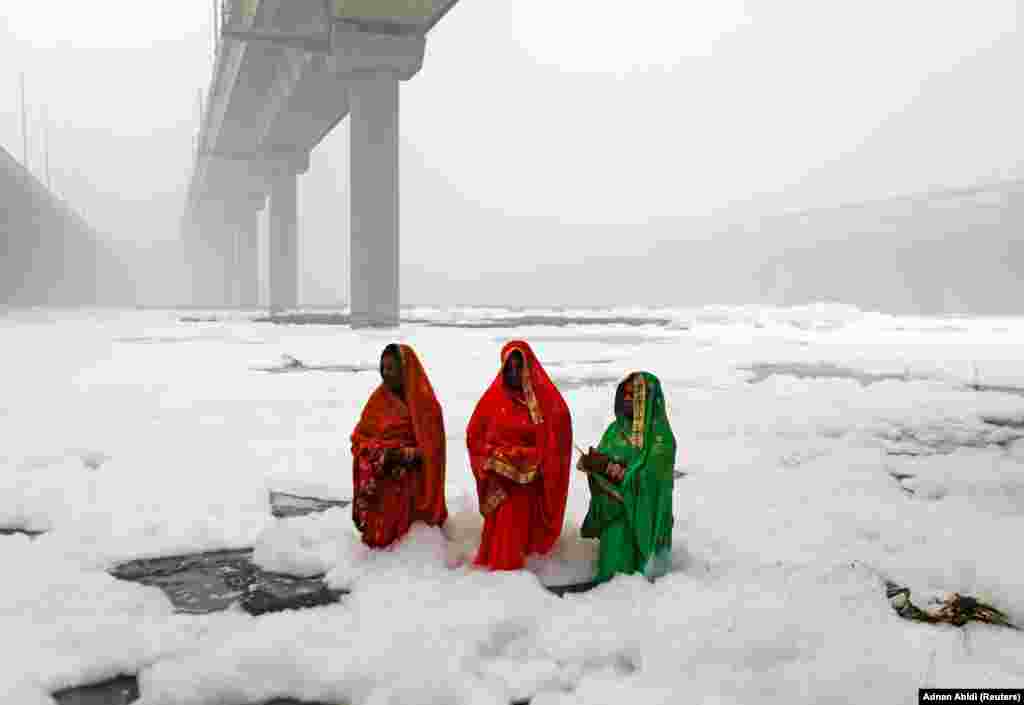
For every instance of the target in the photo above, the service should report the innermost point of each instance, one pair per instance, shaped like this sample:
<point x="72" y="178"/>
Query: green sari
<point x="633" y="518"/>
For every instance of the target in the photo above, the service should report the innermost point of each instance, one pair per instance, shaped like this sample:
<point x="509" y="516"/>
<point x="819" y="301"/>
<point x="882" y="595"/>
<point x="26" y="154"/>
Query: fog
<point x="585" y="144"/>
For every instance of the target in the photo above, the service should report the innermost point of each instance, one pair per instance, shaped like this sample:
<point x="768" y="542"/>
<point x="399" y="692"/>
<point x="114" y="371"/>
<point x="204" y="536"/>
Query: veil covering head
<point x="428" y="425"/>
<point x="635" y="526"/>
<point x="548" y="410"/>
<point x="376" y="425"/>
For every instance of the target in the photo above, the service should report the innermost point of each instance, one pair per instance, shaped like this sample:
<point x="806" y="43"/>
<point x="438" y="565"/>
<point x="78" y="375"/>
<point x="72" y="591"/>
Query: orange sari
<point x="385" y="506"/>
<point x="520" y="448"/>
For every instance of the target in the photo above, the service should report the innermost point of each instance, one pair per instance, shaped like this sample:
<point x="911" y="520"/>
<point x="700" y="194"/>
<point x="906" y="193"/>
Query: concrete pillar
<point x="248" y="259"/>
<point x="228" y="240"/>
<point x="283" y="241"/>
<point x="207" y="259"/>
<point x="373" y="273"/>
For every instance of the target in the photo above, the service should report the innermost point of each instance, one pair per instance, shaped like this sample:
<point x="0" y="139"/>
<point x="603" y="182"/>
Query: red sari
<point x="384" y="506"/>
<point x="520" y="448"/>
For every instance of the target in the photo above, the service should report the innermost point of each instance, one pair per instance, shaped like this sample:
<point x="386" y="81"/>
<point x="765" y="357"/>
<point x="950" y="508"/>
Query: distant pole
<point x="24" y="125"/>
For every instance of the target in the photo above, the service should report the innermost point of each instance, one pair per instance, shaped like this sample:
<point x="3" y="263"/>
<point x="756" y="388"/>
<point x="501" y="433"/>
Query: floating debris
<point x="94" y="459"/>
<point x="997" y="389"/>
<point x="953" y="608"/>
<point x="15" y="531"/>
<point x="1015" y="422"/>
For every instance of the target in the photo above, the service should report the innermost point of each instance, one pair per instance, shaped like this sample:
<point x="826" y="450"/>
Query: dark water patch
<point x="763" y="371"/>
<point x="283" y="504"/>
<point x="572" y="588"/>
<point x="569" y="383"/>
<point x="125" y="689"/>
<point x="117" y="691"/>
<point x="212" y="581"/>
<point x="15" y="531"/>
<point x="283" y="594"/>
<point x="197" y="583"/>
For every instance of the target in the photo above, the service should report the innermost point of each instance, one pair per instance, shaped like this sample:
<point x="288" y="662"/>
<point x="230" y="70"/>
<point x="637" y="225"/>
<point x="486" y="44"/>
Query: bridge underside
<point x="287" y="73"/>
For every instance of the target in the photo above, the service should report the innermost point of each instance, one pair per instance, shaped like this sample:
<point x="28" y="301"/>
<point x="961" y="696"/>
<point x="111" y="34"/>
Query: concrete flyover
<point x="48" y="253"/>
<point x="287" y="72"/>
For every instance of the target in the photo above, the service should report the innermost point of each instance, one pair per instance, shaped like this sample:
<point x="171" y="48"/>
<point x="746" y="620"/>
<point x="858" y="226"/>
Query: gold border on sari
<point x="500" y="466"/>
<point x="636" y="438"/>
<point x="492" y="501"/>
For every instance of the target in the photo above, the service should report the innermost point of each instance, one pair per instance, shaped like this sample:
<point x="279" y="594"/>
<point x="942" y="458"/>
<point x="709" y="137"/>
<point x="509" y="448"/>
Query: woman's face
<point x="513" y="370"/>
<point x="391" y="372"/>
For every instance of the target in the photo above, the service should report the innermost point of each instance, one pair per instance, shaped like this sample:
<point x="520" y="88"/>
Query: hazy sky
<point x="532" y="120"/>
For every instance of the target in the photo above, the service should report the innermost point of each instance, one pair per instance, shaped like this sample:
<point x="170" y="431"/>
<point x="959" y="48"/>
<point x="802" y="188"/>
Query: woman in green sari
<point x="631" y="475"/>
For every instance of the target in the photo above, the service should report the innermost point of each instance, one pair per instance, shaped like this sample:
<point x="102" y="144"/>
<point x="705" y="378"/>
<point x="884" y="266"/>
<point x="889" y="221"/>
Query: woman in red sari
<point x="520" y="447"/>
<point x="398" y="453"/>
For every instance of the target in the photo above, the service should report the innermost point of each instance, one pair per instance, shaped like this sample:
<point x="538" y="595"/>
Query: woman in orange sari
<point x="520" y="448"/>
<point x="398" y="453"/>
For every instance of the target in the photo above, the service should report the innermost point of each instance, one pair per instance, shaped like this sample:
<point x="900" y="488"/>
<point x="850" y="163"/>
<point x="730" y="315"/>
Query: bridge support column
<point x="248" y="259"/>
<point x="229" y="259"/>
<point x="208" y="257"/>
<point x="373" y="274"/>
<point x="283" y="241"/>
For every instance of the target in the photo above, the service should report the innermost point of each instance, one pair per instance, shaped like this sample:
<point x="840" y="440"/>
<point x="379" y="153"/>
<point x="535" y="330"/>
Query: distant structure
<point x="952" y="251"/>
<point x="286" y="73"/>
<point x="48" y="254"/>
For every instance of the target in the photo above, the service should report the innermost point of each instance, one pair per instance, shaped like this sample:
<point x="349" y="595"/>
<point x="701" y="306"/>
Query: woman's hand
<point x="390" y="458"/>
<point x="615" y="472"/>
